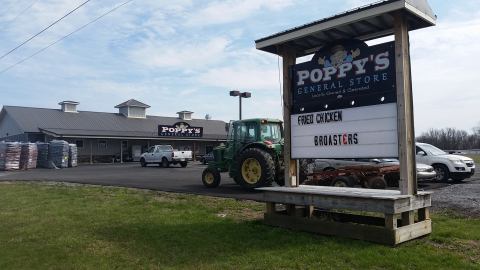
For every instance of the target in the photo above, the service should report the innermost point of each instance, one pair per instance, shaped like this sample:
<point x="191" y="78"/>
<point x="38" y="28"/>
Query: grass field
<point x="476" y="158"/>
<point x="54" y="226"/>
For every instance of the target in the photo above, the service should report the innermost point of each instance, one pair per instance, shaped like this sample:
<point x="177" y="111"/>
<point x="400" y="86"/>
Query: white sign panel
<point x="359" y="132"/>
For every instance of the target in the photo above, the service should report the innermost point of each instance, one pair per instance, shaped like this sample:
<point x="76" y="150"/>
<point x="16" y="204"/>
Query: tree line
<point x="451" y="138"/>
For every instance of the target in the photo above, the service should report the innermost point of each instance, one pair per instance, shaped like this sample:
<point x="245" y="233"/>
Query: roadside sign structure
<point x="344" y="102"/>
<point x="351" y="100"/>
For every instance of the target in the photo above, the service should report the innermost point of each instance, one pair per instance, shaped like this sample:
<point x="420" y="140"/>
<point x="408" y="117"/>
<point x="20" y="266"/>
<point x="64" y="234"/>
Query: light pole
<point x="240" y="95"/>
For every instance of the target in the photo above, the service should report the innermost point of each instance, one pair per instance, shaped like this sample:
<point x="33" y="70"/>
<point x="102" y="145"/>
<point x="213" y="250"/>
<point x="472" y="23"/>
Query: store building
<point x="102" y="136"/>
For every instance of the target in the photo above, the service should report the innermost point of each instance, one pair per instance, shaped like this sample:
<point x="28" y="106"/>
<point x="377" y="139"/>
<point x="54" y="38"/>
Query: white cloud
<point x="445" y="75"/>
<point x="243" y="77"/>
<point x="183" y="55"/>
<point x="220" y="12"/>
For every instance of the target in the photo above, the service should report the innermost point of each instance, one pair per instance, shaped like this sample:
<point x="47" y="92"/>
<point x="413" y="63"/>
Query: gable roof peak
<point x="132" y="103"/>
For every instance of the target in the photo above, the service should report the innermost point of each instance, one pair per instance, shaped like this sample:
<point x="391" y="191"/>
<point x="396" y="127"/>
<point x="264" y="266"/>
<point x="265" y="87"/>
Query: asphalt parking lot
<point x="173" y="179"/>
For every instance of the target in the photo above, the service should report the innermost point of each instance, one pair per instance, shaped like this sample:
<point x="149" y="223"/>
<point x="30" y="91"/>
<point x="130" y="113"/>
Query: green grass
<point x="54" y="226"/>
<point x="476" y="158"/>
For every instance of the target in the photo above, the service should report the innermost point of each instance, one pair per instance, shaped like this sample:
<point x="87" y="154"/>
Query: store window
<point x="79" y="143"/>
<point x="124" y="145"/>
<point x="102" y="144"/>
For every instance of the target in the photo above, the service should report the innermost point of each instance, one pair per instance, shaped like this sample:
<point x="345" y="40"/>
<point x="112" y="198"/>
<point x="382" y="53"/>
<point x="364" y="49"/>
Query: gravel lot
<point x="463" y="198"/>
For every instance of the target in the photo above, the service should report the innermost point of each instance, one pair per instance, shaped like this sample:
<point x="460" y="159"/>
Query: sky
<point x="187" y="55"/>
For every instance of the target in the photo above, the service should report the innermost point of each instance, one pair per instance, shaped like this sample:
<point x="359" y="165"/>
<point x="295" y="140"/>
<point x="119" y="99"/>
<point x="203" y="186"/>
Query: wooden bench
<point x="381" y="216"/>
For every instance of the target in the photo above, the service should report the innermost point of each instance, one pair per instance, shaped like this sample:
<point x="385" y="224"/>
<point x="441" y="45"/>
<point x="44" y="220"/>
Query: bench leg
<point x="309" y="211"/>
<point x="271" y="208"/>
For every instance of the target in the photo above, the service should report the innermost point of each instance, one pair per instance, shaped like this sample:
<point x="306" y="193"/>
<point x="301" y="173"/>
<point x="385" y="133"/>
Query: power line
<point x="45" y="29"/>
<point x="66" y="36"/>
<point x="23" y="11"/>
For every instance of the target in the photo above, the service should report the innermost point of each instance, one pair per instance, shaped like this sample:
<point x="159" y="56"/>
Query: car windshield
<point x="434" y="151"/>
<point x="271" y="132"/>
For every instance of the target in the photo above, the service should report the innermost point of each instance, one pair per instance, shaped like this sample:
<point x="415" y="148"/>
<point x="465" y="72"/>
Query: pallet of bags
<point x="42" y="155"/>
<point x="72" y="155"/>
<point x="10" y="156"/>
<point x="28" y="156"/>
<point x="58" y="153"/>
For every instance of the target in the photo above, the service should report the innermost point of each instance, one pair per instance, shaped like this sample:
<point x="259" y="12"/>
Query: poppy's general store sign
<point x="180" y="129"/>
<point x="344" y="103"/>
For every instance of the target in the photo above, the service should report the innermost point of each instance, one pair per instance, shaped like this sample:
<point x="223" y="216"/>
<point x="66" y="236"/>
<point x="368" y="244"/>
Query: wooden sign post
<point x="288" y="59"/>
<point x="358" y="82"/>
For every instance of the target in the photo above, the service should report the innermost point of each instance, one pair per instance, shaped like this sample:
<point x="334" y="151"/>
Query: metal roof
<point x="364" y="23"/>
<point x="101" y="124"/>
<point x="132" y="103"/>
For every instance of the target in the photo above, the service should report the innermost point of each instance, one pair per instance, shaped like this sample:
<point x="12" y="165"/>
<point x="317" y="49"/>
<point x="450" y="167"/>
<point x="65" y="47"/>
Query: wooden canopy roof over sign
<point x="364" y="23"/>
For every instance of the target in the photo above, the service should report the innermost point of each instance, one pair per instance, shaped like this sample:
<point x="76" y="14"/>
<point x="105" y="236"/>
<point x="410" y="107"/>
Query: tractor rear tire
<point x="255" y="168"/>
<point x="211" y="178"/>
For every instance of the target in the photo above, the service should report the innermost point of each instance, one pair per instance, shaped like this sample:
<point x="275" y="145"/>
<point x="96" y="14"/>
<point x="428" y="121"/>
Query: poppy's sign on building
<point x="180" y="129"/>
<point x="344" y="103"/>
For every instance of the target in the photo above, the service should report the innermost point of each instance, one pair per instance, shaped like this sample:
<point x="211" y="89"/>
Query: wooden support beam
<point x="405" y="122"/>
<point x="377" y="234"/>
<point x="390" y="221"/>
<point x="289" y="59"/>
<point x="354" y="29"/>
<point x="341" y="33"/>
<point x="291" y="209"/>
<point x="423" y="214"/>
<point x="270" y="208"/>
<point x="372" y="25"/>
<point x="329" y="35"/>
<point x="309" y="211"/>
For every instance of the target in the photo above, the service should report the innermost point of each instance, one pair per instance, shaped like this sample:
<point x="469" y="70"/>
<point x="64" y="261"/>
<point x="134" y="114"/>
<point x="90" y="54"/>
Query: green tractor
<point x="253" y="155"/>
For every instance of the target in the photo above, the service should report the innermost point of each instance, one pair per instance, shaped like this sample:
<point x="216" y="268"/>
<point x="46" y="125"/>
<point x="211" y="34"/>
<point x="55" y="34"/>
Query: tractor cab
<point x="252" y="155"/>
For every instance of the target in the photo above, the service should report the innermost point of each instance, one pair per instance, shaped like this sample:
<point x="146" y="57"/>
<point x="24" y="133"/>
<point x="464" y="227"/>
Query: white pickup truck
<point x="446" y="165"/>
<point x="164" y="155"/>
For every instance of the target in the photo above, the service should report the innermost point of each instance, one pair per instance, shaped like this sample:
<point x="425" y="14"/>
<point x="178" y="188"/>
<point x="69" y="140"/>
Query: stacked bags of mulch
<point x="10" y="156"/>
<point x="72" y="155"/>
<point x="58" y="153"/>
<point x="42" y="157"/>
<point x="28" y="156"/>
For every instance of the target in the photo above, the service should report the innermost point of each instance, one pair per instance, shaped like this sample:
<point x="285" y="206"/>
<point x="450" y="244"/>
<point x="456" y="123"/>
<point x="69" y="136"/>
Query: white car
<point x="446" y="165"/>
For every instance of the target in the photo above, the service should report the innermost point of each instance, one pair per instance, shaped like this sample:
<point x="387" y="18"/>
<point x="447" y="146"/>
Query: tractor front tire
<point x="256" y="168"/>
<point x="211" y="178"/>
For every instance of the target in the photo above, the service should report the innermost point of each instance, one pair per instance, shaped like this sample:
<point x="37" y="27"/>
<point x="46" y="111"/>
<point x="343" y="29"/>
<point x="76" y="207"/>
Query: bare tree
<point x="451" y="138"/>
